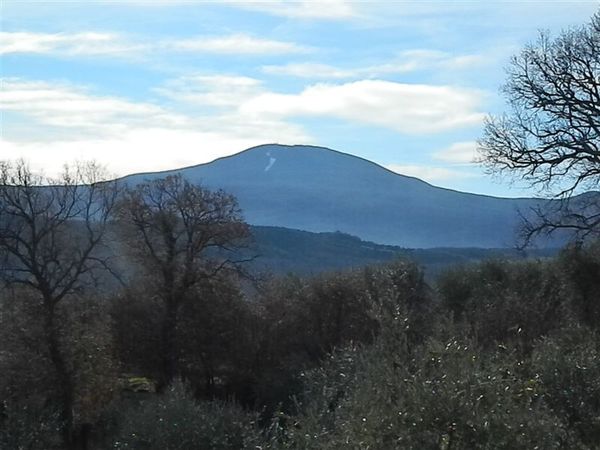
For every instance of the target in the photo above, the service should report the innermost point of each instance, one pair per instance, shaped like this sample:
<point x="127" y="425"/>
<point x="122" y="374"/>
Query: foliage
<point x="361" y="359"/>
<point x="26" y="426"/>
<point x="24" y="360"/>
<point x="505" y="302"/>
<point x="567" y="364"/>
<point x="580" y="268"/>
<point x="217" y="339"/>
<point x="90" y="354"/>
<point x="181" y="235"/>
<point x="174" y="420"/>
<point x="450" y="396"/>
<point x="27" y="381"/>
<point x="136" y="317"/>
<point x="468" y="384"/>
<point x="304" y="320"/>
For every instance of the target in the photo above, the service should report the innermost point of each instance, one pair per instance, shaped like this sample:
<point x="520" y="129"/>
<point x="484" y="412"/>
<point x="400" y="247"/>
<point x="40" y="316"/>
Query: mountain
<point x="282" y="251"/>
<point x="321" y="190"/>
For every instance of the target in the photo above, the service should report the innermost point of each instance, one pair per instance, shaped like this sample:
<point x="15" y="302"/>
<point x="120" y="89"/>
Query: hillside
<point x="318" y="189"/>
<point x="283" y="250"/>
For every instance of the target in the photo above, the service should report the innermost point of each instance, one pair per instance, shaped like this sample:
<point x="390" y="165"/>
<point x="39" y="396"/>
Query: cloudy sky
<point x="149" y="85"/>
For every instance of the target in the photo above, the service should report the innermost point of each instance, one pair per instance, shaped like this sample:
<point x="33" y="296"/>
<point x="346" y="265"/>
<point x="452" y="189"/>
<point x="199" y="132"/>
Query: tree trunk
<point x="209" y="379"/>
<point x="64" y="381"/>
<point x="169" y="343"/>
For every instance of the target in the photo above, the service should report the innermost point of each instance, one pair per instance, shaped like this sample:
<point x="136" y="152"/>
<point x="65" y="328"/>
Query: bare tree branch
<point x="181" y="235"/>
<point x="550" y="138"/>
<point x="50" y="235"/>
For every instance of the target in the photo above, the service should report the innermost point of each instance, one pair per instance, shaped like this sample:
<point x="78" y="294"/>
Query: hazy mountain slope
<point x="282" y="250"/>
<point x="318" y="189"/>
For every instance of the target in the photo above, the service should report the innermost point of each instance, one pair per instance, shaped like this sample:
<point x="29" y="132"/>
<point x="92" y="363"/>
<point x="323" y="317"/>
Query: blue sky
<point x="150" y="85"/>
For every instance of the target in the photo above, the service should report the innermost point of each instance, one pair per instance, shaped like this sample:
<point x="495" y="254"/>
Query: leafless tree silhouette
<point x="180" y="234"/>
<point x="550" y="138"/>
<point x="51" y="234"/>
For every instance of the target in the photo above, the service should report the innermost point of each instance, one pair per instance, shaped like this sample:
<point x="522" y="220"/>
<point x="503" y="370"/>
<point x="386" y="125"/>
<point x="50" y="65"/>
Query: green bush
<point x="450" y="396"/>
<point x="26" y="426"/>
<point x="567" y="365"/>
<point x="174" y="420"/>
<point x="580" y="269"/>
<point x="512" y="303"/>
<point x="304" y="320"/>
<point x="136" y="325"/>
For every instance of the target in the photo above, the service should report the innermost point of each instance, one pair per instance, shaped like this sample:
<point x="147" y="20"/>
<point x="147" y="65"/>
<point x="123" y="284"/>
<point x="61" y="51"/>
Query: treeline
<point x="249" y="351"/>
<point x="494" y="355"/>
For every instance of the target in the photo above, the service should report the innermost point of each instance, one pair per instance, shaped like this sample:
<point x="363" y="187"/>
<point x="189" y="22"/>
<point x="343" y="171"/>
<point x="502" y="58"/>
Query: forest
<point x="497" y="354"/>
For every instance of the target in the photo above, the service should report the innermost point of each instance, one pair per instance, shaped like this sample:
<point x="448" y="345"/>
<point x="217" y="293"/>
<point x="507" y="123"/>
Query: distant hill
<point x="320" y="190"/>
<point x="282" y="251"/>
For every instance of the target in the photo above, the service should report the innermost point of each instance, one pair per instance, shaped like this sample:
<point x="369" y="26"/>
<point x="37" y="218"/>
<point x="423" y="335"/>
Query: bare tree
<point x="51" y="232"/>
<point x="181" y="235"/>
<point x="550" y="138"/>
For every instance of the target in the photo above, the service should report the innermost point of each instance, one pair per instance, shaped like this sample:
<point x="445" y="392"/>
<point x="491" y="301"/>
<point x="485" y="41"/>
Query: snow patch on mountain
<point x="271" y="162"/>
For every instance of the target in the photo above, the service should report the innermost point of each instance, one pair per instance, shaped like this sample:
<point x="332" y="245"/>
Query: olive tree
<point x="180" y="235"/>
<point x="550" y="136"/>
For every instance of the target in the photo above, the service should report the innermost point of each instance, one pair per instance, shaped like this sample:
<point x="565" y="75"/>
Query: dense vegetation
<point x="283" y="250"/>
<point x="494" y="355"/>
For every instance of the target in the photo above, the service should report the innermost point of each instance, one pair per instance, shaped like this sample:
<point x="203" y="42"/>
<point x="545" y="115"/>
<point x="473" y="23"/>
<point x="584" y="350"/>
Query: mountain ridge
<point x="316" y="147"/>
<point x="283" y="250"/>
<point x="318" y="189"/>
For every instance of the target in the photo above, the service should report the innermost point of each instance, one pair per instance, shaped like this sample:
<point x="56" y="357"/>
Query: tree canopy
<point x="182" y="235"/>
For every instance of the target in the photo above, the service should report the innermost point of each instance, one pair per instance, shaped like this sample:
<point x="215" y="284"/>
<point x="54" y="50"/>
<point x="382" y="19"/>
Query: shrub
<point x="448" y="395"/>
<point x="26" y="426"/>
<point x="136" y="325"/>
<point x="511" y="303"/>
<point x="174" y="420"/>
<point x="567" y="363"/>
<point x="580" y="269"/>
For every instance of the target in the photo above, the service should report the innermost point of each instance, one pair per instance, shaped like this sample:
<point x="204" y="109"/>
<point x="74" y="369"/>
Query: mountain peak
<point x="319" y="189"/>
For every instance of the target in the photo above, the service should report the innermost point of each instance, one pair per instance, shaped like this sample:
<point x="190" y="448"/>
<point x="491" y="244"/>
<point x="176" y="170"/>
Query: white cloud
<point x="136" y="150"/>
<point x="212" y="90"/>
<point x="239" y="44"/>
<point x="458" y="153"/>
<point x="70" y="107"/>
<point x="217" y="99"/>
<point x="304" y="9"/>
<point x="408" y="108"/>
<point x="71" y="44"/>
<point x="127" y="136"/>
<point x="207" y="117"/>
<point x="419" y="59"/>
<point x="113" y="44"/>
<point x="405" y="62"/>
<point x="429" y="173"/>
<point x="308" y="70"/>
<point x="463" y="62"/>
<point x="403" y="107"/>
